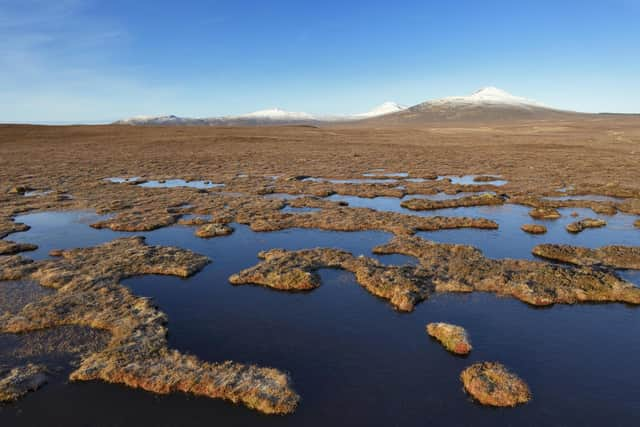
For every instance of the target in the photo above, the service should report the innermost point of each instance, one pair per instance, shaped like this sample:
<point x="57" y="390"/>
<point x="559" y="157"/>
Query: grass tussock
<point x="16" y="382"/>
<point x="492" y="384"/>
<point x="534" y="228"/>
<point x="614" y="256"/>
<point x="544" y="213"/>
<point x="578" y="226"/>
<point x="452" y="337"/>
<point x="88" y="293"/>
<point x="475" y="200"/>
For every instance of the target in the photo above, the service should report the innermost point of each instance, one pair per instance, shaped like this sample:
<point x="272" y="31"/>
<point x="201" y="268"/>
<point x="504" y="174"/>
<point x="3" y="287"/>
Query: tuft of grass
<point x="452" y="337"/>
<point x="492" y="384"/>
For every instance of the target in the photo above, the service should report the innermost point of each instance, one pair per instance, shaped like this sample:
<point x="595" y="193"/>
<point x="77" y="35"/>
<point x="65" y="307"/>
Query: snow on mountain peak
<point x="382" y="109"/>
<point x="277" y="114"/>
<point x="488" y="95"/>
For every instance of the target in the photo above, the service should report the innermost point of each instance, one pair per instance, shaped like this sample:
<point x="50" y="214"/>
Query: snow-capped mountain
<point x="382" y="109"/>
<point x="262" y="117"/>
<point x="487" y="96"/>
<point x="486" y="104"/>
<point x="276" y="114"/>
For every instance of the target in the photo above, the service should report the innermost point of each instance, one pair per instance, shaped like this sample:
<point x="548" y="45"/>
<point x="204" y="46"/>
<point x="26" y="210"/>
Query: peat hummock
<point x="452" y="337"/>
<point x="578" y="226"/>
<point x="614" y="256"/>
<point x="88" y="293"/>
<point x="534" y="228"/>
<point x="442" y="268"/>
<point x="490" y="383"/>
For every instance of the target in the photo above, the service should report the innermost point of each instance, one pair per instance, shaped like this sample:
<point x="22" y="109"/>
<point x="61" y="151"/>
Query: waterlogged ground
<point x="353" y="359"/>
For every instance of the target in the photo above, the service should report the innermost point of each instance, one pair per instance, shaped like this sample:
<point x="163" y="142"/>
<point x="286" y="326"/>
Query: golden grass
<point x="452" y="337"/>
<point x="491" y="383"/>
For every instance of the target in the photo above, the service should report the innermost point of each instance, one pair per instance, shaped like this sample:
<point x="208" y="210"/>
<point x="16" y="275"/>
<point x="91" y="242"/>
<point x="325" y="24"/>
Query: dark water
<point x="353" y="359"/>
<point x="509" y="241"/>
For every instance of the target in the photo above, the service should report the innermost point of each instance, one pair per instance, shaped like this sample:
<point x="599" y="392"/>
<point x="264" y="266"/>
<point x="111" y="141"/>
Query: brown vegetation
<point x="295" y="271"/>
<point x="443" y="268"/>
<point x="16" y="382"/>
<point x="544" y="213"/>
<point x="534" y="228"/>
<point x="475" y="200"/>
<point x="7" y="226"/>
<point x="11" y="248"/>
<point x="452" y="337"/>
<point x="536" y="283"/>
<point x="490" y="383"/>
<point x="578" y="226"/>
<point x="360" y="219"/>
<point x="213" y="230"/>
<point x="486" y="178"/>
<point x="536" y="158"/>
<point x="88" y="293"/>
<point x="614" y="256"/>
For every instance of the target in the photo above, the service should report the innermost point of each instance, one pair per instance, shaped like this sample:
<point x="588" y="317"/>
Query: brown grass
<point x="536" y="283"/>
<point x="534" y="228"/>
<point x="614" y="256"/>
<point x="578" y="226"/>
<point x="475" y="200"/>
<point x="443" y="268"/>
<point x="452" y="337"/>
<point x="17" y="382"/>
<point x="88" y="293"/>
<point x="544" y="213"/>
<point x="11" y="248"/>
<point x="490" y="383"/>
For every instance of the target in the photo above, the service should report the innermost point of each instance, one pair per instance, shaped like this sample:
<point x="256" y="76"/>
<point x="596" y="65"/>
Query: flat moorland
<point x="277" y="178"/>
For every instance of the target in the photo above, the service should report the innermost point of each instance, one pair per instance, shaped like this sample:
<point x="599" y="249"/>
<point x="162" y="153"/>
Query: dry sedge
<point x="443" y="268"/>
<point x="534" y="228"/>
<point x="295" y="271"/>
<point x="16" y="382"/>
<point x="88" y="293"/>
<point x="477" y="200"/>
<point x="544" y="213"/>
<point x="451" y="266"/>
<point x="614" y="256"/>
<point x="8" y="226"/>
<point x="578" y="226"/>
<point x="213" y="230"/>
<point x="486" y="178"/>
<point x="453" y="338"/>
<point x="11" y="248"/>
<point x="490" y="383"/>
<point x="361" y="219"/>
<point x="86" y="281"/>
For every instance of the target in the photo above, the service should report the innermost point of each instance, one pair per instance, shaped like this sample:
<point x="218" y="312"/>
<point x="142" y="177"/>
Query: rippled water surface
<point x="353" y="359"/>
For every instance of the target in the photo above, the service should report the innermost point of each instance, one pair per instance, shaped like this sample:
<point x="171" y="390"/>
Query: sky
<point x="97" y="61"/>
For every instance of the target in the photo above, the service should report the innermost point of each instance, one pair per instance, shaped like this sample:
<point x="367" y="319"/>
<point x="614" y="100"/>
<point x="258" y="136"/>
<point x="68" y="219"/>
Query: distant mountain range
<point x="487" y="104"/>
<point x="274" y="116"/>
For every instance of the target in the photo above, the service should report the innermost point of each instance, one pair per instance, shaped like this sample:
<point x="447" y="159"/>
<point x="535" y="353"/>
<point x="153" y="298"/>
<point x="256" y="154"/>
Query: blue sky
<point x="91" y="60"/>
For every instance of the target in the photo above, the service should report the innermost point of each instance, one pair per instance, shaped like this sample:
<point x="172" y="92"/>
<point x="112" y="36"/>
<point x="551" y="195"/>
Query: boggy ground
<point x="491" y="383"/>
<point x="536" y="159"/>
<point x="443" y="268"/>
<point x="67" y="168"/>
<point x="88" y="293"/>
<point x="614" y="256"/>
